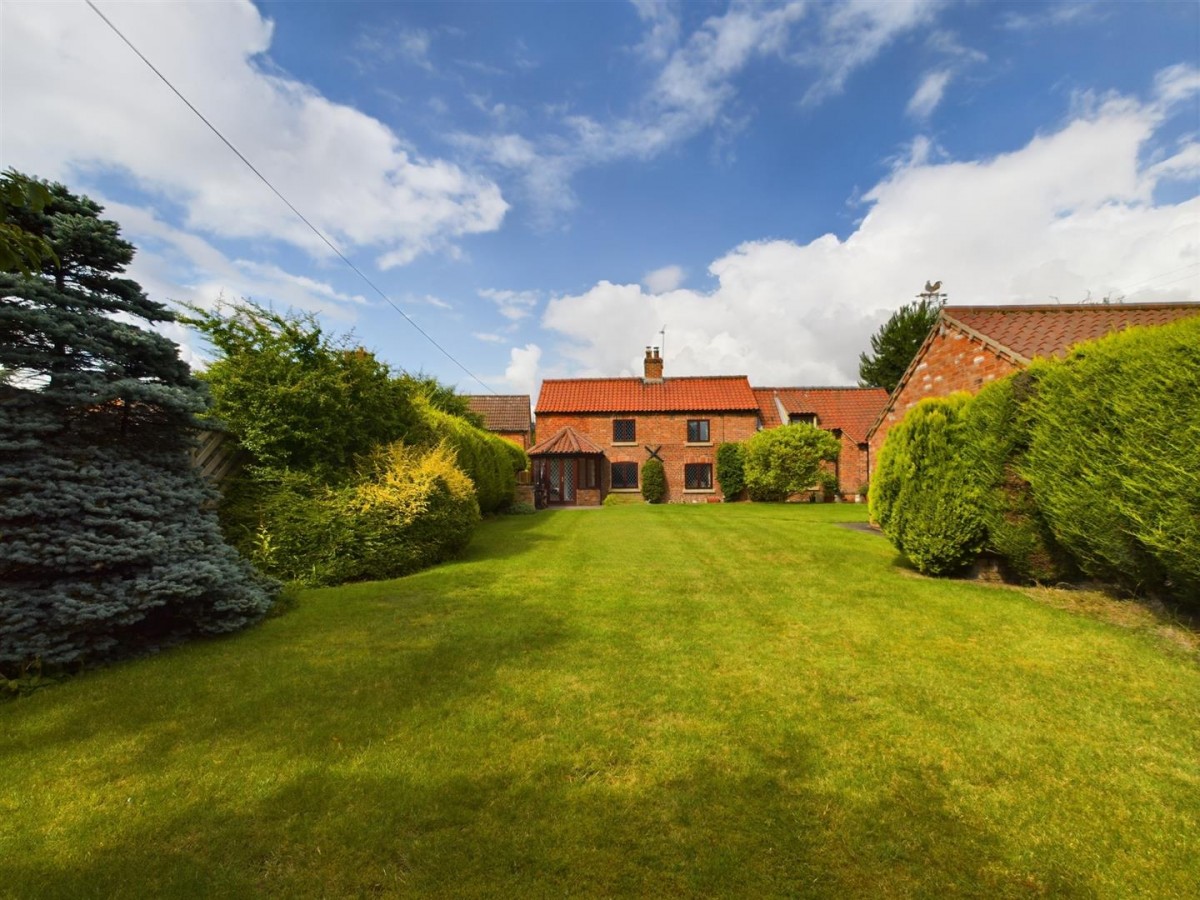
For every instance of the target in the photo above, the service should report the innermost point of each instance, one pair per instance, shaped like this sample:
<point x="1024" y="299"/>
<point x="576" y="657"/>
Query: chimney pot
<point x="653" y="365"/>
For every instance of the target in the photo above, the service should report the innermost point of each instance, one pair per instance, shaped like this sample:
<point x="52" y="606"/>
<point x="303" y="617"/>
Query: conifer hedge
<point x="491" y="462"/>
<point x="1114" y="457"/>
<point x="995" y="438"/>
<point x="1089" y="463"/>
<point x="923" y="495"/>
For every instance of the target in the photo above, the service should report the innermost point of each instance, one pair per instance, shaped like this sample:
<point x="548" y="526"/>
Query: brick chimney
<point x="653" y="366"/>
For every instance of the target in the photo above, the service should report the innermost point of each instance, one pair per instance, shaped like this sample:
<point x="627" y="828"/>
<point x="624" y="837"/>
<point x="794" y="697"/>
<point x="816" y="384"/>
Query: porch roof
<point x="566" y="442"/>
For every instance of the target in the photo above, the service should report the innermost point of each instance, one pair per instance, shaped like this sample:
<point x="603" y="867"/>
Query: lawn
<point x="662" y="701"/>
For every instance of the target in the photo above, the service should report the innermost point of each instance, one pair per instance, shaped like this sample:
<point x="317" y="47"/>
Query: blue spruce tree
<point x="108" y="541"/>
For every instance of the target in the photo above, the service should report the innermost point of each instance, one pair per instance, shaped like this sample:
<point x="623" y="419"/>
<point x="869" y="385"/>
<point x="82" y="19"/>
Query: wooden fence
<point x="217" y="456"/>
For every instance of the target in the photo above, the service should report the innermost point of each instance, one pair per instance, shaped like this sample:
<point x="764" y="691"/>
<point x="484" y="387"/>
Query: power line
<point x="315" y="230"/>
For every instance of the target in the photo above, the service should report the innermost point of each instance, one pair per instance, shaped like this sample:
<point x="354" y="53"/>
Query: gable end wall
<point x="952" y="361"/>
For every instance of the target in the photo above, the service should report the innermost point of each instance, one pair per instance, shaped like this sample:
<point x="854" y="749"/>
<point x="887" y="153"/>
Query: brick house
<point x="970" y="346"/>
<point x="506" y="415"/>
<point x="601" y="431"/>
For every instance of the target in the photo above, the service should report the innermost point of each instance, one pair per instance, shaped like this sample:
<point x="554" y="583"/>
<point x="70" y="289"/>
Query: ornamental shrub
<point x="1114" y="457"/>
<point x="654" y="481"/>
<point x="730" y="470"/>
<point x="783" y="461"/>
<point x="996" y="428"/>
<point x="923" y="494"/>
<point x="407" y="509"/>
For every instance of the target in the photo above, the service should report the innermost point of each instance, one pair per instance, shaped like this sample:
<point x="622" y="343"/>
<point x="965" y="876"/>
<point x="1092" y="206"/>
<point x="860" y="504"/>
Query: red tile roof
<point x="851" y="409"/>
<point x="633" y="395"/>
<point x="1031" y="331"/>
<point x="503" y="412"/>
<point x="565" y="442"/>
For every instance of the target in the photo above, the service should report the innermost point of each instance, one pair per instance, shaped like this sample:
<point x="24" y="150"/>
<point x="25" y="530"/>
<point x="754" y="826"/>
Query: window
<point x="697" y="431"/>
<point x="624" y="431"/>
<point x="806" y="418"/>
<point x="588" y="471"/>
<point x="624" y="475"/>
<point x="697" y="477"/>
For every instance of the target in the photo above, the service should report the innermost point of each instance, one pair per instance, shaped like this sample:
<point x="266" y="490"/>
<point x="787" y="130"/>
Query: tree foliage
<point x="22" y="252"/>
<point x="895" y="344"/>
<point x="782" y="461"/>
<point x="106" y="542"/>
<point x="296" y="397"/>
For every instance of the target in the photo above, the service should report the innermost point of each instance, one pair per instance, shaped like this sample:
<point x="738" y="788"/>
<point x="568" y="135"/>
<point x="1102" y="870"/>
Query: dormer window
<point x="802" y="418"/>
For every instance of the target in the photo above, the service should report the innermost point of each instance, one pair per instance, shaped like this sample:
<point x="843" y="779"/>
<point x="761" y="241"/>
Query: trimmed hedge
<point x="408" y="509"/>
<point x="491" y="462"/>
<point x="995" y="438"/>
<point x="731" y="473"/>
<point x="654" y="481"/>
<point x="923" y="494"/>
<point x="1114" y="457"/>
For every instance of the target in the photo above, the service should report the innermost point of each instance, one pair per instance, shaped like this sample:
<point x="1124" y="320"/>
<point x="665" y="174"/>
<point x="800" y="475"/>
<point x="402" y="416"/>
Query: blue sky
<point x="544" y="186"/>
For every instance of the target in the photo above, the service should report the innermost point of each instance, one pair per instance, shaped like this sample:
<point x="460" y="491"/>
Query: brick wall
<point x="520" y="438"/>
<point x="953" y="361"/>
<point x="654" y="429"/>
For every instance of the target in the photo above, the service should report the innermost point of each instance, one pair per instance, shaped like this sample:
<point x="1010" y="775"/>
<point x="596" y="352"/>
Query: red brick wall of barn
<point x="654" y="429"/>
<point x="953" y="361"/>
<point x="520" y="438"/>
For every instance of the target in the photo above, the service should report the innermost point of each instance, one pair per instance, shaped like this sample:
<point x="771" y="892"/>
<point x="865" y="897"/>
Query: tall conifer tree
<point x="108" y="544"/>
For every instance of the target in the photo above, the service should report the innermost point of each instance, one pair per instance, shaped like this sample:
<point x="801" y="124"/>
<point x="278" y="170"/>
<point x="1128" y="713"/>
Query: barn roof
<point x="501" y="412"/>
<point x="851" y="409"/>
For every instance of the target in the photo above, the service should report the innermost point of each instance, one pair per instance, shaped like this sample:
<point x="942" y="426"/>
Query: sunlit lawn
<point x="731" y="700"/>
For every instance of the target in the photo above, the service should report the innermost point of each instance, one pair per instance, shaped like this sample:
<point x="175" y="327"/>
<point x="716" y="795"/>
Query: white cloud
<point x="853" y="33"/>
<point x="660" y="281"/>
<point x="521" y="375"/>
<point x="1070" y="12"/>
<point x="1070" y="214"/>
<point x="662" y="31"/>
<point x="513" y="305"/>
<point x="67" y="113"/>
<point x="928" y="94"/>
<point x="489" y="337"/>
<point x="695" y="85"/>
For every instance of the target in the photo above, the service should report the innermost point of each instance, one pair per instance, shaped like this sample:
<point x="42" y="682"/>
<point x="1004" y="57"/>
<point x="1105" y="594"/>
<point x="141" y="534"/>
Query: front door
<point x="562" y="480"/>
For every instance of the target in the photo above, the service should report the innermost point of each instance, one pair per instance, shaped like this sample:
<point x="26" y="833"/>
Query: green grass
<point x="663" y="701"/>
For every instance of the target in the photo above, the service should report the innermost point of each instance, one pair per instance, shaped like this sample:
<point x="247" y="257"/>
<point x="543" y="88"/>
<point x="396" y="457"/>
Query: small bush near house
<point x="730" y="470"/>
<point x="783" y="461"/>
<point x="409" y="508"/>
<point x="995" y="437"/>
<point x="654" y="481"/>
<point x="924" y="495"/>
<point x="521" y="509"/>
<point x="1114" y="457"/>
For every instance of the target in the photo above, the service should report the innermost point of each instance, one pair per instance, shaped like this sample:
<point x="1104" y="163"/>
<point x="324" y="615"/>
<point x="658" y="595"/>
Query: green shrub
<point x="654" y="481"/>
<point x="730" y="470"/>
<point x="1114" y="457"/>
<point x="521" y="509"/>
<point x="782" y="461"/>
<point x="408" y="509"/>
<point x="996" y="426"/>
<point x="491" y="462"/>
<point x="924" y="495"/>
